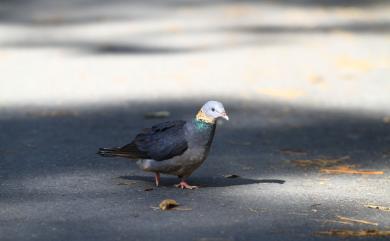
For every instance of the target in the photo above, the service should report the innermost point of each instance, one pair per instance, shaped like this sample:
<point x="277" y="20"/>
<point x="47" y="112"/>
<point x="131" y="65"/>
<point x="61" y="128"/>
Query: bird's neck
<point x="202" y="125"/>
<point x="201" y="116"/>
<point x="204" y="132"/>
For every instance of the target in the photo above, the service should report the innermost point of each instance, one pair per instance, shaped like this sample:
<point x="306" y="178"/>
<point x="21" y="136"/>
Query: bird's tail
<point x="112" y="152"/>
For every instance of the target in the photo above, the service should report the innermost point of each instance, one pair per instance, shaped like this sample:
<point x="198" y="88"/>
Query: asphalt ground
<point x="54" y="186"/>
<point x="305" y="84"/>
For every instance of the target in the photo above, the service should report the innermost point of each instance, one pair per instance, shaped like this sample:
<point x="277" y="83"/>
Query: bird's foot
<point x="157" y="179"/>
<point x="185" y="185"/>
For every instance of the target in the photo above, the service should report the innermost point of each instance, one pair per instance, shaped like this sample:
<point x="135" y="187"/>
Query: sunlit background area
<point x="324" y="53"/>
<point x="306" y="85"/>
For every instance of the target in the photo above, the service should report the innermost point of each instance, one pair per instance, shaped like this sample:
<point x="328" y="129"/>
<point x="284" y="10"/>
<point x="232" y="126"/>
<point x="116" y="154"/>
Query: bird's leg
<point x="184" y="185"/>
<point x="157" y="178"/>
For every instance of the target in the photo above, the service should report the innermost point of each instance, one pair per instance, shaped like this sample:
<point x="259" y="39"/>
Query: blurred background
<point x="306" y="84"/>
<point x="332" y="53"/>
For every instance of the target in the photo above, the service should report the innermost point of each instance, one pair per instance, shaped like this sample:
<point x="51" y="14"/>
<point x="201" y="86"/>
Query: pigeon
<point x="173" y="147"/>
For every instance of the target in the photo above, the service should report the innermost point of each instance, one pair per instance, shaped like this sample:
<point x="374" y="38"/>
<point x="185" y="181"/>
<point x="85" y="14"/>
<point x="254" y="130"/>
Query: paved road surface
<point x="54" y="187"/>
<point x="301" y="81"/>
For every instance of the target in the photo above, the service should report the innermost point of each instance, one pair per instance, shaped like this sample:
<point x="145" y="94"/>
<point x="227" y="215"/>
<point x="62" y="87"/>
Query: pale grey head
<point x="213" y="110"/>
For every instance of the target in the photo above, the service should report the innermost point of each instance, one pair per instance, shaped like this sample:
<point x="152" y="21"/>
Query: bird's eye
<point x="212" y="109"/>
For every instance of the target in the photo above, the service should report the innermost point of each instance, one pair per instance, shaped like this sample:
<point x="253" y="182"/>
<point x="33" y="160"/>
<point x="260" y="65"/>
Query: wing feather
<point x="161" y="142"/>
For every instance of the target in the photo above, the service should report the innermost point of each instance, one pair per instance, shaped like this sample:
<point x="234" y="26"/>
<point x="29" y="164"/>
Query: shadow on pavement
<point x="39" y="140"/>
<point x="51" y="177"/>
<point x="205" y="182"/>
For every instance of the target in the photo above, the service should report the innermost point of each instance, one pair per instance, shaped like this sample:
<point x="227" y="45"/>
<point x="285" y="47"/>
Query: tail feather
<point x="130" y="151"/>
<point x="113" y="152"/>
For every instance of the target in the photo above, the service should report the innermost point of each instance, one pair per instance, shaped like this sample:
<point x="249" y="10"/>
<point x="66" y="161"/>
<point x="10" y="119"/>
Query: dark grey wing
<point x="161" y="142"/>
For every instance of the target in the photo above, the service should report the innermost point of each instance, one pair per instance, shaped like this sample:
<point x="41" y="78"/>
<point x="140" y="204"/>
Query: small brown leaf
<point x="168" y="204"/>
<point x="148" y="189"/>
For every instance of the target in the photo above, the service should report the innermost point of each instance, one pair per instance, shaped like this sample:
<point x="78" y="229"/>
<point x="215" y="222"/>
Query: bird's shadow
<point x="204" y="181"/>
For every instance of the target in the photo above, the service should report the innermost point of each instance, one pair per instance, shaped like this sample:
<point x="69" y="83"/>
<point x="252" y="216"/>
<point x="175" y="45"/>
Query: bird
<point x="175" y="147"/>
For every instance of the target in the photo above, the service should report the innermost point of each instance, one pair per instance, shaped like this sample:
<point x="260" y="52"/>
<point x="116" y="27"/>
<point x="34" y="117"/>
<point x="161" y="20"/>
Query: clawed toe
<point x="184" y="185"/>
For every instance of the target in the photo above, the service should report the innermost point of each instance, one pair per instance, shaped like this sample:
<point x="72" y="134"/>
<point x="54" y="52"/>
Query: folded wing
<point x="161" y="142"/>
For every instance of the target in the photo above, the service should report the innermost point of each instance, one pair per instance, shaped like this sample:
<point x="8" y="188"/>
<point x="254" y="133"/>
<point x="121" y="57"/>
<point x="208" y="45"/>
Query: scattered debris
<point x="349" y="169"/>
<point x="148" y="189"/>
<point x="157" y="114"/>
<point x="231" y="176"/>
<point x="356" y="233"/>
<point x="345" y="219"/>
<point x="293" y="152"/>
<point x="168" y="204"/>
<point x="319" y="162"/>
<point x="378" y="207"/>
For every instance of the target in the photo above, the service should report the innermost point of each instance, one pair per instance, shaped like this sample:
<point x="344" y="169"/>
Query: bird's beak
<point x="225" y="116"/>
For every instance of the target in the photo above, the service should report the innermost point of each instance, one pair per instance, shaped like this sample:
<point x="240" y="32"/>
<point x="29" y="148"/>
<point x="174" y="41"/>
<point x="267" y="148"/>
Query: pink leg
<point x="184" y="185"/>
<point x="157" y="178"/>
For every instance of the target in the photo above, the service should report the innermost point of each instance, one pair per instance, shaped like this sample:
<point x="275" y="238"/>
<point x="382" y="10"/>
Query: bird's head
<point x="211" y="111"/>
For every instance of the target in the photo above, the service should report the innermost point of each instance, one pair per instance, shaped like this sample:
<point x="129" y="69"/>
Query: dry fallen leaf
<point x="378" y="207"/>
<point x="148" y="189"/>
<point x="356" y="233"/>
<point x="168" y="204"/>
<point x="349" y="169"/>
<point x="157" y="114"/>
